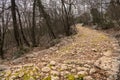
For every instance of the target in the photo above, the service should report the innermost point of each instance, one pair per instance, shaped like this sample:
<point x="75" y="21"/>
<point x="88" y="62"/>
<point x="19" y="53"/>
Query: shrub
<point x="20" y="52"/>
<point x="107" y="25"/>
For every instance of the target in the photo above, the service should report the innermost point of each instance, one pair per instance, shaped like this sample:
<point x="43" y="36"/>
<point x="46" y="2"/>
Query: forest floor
<point x="88" y="55"/>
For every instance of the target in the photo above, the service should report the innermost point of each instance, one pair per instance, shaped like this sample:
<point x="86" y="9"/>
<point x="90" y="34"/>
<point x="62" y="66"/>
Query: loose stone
<point x="45" y="69"/>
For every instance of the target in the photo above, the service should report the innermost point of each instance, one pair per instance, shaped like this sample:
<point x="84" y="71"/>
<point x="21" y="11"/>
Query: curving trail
<point x="88" y="55"/>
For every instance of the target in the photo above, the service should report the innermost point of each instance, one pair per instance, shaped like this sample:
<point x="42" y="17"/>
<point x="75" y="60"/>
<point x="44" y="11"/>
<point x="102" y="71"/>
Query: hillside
<point x="88" y="55"/>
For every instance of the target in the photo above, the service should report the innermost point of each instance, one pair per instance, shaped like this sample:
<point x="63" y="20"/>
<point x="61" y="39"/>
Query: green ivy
<point x="70" y="77"/>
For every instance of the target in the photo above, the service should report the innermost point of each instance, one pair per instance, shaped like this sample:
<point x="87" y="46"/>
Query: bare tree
<point x="15" y="25"/>
<point x="21" y="28"/>
<point x="67" y="16"/>
<point x="47" y="19"/>
<point x="34" y="25"/>
<point x="34" y="22"/>
<point x="3" y="28"/>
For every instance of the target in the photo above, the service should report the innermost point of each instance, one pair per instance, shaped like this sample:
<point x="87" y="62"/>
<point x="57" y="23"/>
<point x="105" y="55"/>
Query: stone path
<point x="110" y="62"/>
<point x="82" y="57"/>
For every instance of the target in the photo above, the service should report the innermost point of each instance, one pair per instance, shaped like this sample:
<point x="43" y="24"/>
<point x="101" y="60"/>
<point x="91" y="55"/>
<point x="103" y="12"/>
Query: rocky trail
<point x="88" y="55"/>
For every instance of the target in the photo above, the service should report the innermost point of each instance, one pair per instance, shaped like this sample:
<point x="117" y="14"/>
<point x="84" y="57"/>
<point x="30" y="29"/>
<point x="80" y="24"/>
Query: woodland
<point x="59" y="39"/>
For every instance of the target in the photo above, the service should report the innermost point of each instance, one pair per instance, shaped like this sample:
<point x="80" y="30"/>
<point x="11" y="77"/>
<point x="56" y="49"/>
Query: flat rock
<point x="88" y="78"/>
<point x="87" y="66"/>
<point x="64" y="67"/>
<point x="93" y="70"/>
<point x="94" y="50"/>
<point x="108" y="53"/>
<point x="45" y="69"/>
<point x="54" y="78"/>
<point x="30" y="55"/>
<point x="53" y="63"/>
<point x="82" y="69"/>
<point x="64" y="73"/>
<point x="113" y="77"/>
<point x="3" y="67"/>
<point x="73" y="70"/>
<point x="53" y="67"/>
<point x="82" y="73"/>
<point x="54" y="73"/>
<point x="30" y="65"/>
<point x="19" y="60"/>
<point x="44" y="63"/>
<point x="109" y="64"/>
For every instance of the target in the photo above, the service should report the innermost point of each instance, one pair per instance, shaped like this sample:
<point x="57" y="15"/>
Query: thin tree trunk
<point x="1" y="33"/>
<point x="1" y="43"/>
<point x="21" y="27"/>
<point x="67" y="24"/>
<point x="47" y="19"/>
<point x="34" y="26"/>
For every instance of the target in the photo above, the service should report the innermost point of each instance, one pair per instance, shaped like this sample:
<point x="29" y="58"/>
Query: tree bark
<point x="21" y="27"/>
<point x="34" y="25"/>
<point x="1" y="43"/>
<point x="47" y="19"/>
<point x="15" y="25"/>
<point x="66" y="15"/>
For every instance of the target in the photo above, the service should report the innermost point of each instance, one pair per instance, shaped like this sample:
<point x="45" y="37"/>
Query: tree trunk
<point x="47" y="19"/>
<point x="1" y="43"/>
<point x="15" y="25"/>
<point x="66" y="15"/>
<point x="33" y="26"/>
<point x="21" y="27"/>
